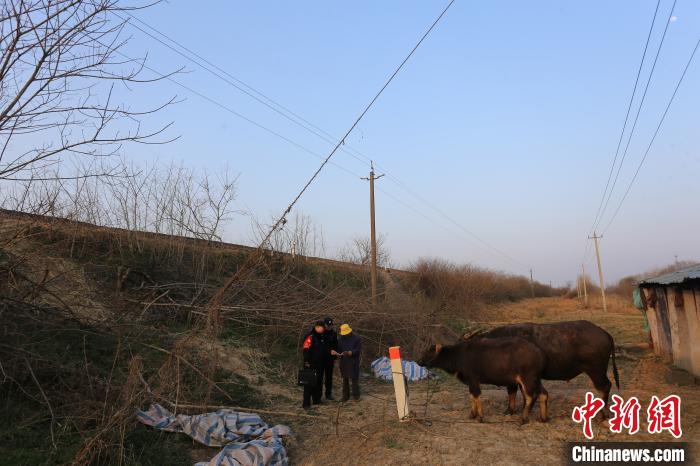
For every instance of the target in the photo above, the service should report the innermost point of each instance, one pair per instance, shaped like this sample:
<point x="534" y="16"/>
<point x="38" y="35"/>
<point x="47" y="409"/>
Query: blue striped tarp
<point x="246" y="439"/>
<point x="381" y="368"/>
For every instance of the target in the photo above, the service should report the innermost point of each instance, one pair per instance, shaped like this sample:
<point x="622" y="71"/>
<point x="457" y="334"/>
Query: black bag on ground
<point x="307" y="377"/>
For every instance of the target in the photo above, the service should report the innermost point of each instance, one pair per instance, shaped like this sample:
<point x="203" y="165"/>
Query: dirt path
<point x="368" y="433"/>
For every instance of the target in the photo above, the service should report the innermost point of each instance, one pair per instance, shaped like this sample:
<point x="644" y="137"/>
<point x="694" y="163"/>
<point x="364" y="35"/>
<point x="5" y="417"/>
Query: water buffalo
<point x="570" y="348"/>
<point x="511" y="361"/>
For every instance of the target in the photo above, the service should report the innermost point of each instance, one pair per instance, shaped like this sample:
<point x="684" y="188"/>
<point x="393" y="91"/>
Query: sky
<point x="506" y="119"/>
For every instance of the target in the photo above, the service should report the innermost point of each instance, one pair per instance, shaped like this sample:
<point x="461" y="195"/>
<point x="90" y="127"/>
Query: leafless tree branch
<point x="60" y="61"/>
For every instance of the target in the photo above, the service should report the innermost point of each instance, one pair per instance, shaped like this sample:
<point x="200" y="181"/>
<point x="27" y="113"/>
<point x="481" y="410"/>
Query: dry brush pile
<point x="97" y="323"/>
<point x="461" y="291"/>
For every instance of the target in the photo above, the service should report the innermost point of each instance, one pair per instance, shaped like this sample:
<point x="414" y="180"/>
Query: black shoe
<point x="330" y="397"/>
<point x="344" y="399"/>
<point x="319" y="402"/>
<point x="306" y="407"/>
<point x="356" y="398"/>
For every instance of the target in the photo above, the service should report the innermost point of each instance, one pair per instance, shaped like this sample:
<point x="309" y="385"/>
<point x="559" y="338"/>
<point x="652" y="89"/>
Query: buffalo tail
<point x="615" y="374"/>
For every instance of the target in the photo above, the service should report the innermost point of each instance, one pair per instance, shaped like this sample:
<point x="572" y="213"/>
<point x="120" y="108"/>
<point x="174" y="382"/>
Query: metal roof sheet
<point x="679" y="276"/>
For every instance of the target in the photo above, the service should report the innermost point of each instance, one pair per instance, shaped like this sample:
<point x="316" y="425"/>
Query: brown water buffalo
<point x="510" y="361"/>
<point x="570" y="348"/>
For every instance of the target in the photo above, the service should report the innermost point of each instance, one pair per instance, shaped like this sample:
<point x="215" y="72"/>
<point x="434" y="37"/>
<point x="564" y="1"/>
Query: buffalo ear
<point x="438" y="348"/>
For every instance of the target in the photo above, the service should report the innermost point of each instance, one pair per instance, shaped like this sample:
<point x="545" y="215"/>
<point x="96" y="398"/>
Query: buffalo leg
<point x="602" y="385"/>
<point x="543" y="398"/>
<point x="528" y="386"/>
<point x="477" y="409"/>
<point x="473" y="410"/>
<point x="512" y="398"/>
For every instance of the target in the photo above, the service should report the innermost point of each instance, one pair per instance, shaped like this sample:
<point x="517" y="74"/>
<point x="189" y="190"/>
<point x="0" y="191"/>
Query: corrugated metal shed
<point x="672" y="307"/>
<point x="680" y="276"/>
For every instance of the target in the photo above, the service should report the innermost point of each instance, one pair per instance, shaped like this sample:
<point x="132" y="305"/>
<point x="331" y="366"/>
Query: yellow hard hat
<point x="345" y="329"/>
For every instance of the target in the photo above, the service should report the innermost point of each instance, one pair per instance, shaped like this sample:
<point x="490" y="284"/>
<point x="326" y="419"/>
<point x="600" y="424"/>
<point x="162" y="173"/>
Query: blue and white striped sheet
<point x="381" y="368"/>
<point x="245" y="438"/>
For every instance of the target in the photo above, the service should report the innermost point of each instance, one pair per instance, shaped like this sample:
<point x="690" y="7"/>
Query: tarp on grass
<point x="245" y="438"/>
<point x="381" y="368"/>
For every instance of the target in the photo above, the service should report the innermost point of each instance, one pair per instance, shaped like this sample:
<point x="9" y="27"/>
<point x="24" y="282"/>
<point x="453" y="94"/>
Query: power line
<point x="239" y="81"/>
<point x="658" y="127"/>
<point x="218" y="297"/>
<point x="298" y="120"/>
<point x="636" y="118"/>
<point x="604" y="201"/>
<point x="440" y="212"/>
<point x="327" y="159"/>
<point x="455" y="223"/>
<point x="433" y="222"/>
<point x="317" y="155"/>
<point x="238" y="84"/>
<point x="234" y="112"/>
<point x="352" y="127"/>
<point x="624" y="125"/>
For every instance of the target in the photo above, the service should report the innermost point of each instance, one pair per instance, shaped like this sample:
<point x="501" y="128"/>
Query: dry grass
<point x="443" y="432"/>
<point x="624" y="322"/>
<point x="460" y="290"/>
<point x="109" y="320"/>
<point x="137" y="335"/>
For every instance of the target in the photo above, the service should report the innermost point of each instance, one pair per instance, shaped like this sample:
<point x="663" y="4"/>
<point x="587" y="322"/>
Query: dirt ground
<point x="367" y="432"/>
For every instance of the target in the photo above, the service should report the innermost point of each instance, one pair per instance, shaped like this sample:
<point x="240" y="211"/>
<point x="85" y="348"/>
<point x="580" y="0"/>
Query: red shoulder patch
<point x="307" y="342"/>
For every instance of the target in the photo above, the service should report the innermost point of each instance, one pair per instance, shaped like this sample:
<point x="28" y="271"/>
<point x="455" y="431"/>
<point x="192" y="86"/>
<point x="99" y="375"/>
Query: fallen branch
<point x="48" y="404"/>
<point x="191" y="366"/>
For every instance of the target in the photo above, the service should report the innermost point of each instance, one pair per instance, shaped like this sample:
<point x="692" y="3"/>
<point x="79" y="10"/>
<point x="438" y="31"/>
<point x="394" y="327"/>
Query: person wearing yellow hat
<point x="349" y="347"/>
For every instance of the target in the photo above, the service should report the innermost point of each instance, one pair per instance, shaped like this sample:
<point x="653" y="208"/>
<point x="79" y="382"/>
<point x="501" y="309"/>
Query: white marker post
<point x="399" y="383"/>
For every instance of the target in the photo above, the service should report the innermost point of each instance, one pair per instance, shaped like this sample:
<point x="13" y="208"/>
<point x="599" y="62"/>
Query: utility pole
<point x="583" y="279"/>
<point x="373" y="233"/>
<point x="595" y="239"/>
<point x="532" y="286"/>
<point x="578" y="288"/>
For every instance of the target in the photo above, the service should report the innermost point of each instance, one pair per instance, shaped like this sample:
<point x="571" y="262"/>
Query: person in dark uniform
<point x="316" y="355"/>
<point x="331" y="339"/>
<point x="349" y="346"/>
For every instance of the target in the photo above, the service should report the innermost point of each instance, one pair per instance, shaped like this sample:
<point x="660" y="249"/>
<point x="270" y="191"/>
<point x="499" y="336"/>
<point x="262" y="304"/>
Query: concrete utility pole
<point x="578" y="289"/>
<point x="532" y="286"/>
<point x="373" y="233"/>
<point x="595" y="239"/>
<point x="585" y="292"/>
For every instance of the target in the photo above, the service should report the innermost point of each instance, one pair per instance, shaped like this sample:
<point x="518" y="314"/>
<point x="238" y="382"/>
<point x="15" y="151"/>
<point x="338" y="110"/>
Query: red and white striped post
<point x="399" y="383"/>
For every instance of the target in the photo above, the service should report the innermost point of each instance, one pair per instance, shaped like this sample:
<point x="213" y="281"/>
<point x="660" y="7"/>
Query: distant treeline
<point x="465" y="287"/>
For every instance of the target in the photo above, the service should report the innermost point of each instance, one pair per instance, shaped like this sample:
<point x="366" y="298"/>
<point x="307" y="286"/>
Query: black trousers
<point x="314" y="393"/>
<point x="355" y="389"/>
<point x="328" y="374"/>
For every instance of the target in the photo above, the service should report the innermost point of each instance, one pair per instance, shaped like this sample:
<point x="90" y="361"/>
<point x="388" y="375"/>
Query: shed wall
<point x="691" y="300"/>
<point x="680" y="341"/>
<point x="664" y="325"/>
<point x="650" y="309"/>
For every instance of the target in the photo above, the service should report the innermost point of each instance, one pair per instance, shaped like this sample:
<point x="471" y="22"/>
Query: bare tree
<point x="195" y="206"/>
<point x="172" y="200"/>
<point x="60" y="61"/>
<point x="359" y="251"/>
<point x="307" y="236"/>
<point x="301" y="235"/>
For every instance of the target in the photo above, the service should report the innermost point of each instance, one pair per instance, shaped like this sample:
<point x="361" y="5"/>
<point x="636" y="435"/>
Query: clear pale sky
<point x="507" y="118"/>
